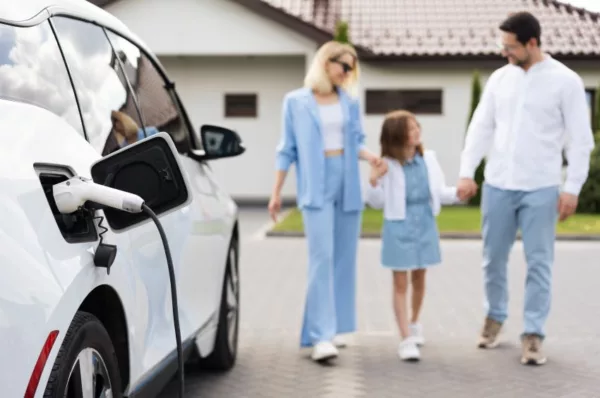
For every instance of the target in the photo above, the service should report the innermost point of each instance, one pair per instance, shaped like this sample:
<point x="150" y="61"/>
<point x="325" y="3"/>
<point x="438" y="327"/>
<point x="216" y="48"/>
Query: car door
<point x="203" y="255"/>
<point x="113" y="119"/>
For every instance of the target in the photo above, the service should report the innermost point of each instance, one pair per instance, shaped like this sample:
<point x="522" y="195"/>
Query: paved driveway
<point x="271" y="365"/>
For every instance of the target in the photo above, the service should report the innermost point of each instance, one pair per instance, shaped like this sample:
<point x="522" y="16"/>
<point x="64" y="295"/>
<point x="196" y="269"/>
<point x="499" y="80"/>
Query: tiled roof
<point x="434" y="27"/>
<point x="446" y="27"/>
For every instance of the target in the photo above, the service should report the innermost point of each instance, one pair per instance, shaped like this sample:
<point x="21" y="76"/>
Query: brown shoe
<point x="532" y="350"/>
<point x="489" y="334"/>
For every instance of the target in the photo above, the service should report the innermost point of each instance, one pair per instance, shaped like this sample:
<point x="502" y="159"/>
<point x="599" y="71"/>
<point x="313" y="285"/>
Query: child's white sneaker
<point x="408" y="350"/>
<point x="416" y="332"/>
<point x="324" y="351"/>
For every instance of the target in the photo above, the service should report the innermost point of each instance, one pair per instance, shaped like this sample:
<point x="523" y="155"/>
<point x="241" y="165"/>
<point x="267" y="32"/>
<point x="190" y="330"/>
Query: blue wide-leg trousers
<point x="332" y="237"/>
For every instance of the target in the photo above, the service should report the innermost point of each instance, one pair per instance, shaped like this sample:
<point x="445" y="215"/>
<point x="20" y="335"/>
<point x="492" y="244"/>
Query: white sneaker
<point x="408" y="350"/>
<point x="324" y="351"/>
<point x="342" y="341"/>
<point x="416" y="332"/>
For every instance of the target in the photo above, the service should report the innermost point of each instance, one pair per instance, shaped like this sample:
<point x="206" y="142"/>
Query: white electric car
<point x="77" y="87"/>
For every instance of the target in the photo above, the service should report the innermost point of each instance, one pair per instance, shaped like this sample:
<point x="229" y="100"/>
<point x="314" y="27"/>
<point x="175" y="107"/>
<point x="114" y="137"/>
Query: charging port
<point x="77" y="227"/>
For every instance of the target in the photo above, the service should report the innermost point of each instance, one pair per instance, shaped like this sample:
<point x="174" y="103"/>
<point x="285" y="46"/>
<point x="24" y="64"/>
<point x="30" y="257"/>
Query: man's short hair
<point x="524" y="25"/>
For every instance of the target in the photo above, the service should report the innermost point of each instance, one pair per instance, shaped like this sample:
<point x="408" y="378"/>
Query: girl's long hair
<point x="394" y="135"/>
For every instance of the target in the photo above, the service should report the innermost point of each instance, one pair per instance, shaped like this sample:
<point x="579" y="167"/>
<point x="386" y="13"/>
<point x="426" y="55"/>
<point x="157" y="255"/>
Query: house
<point x="233" y="61"/>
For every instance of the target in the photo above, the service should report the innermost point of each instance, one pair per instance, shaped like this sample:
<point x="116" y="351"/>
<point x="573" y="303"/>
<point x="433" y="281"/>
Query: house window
<point x="380" y="102"/>
<point x="241" y="105"/>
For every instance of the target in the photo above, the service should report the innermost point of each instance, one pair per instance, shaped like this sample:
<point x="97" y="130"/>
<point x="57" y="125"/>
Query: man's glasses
<point x="505" y="47"/>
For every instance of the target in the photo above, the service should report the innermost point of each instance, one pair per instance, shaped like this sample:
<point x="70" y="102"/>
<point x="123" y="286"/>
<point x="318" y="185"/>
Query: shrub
<point x="475" y="94"/>
<point x="596" y="111"/>
<point x="475" y="97"/>
<point x="341" y="32"/>
<point x="589" y="197"/>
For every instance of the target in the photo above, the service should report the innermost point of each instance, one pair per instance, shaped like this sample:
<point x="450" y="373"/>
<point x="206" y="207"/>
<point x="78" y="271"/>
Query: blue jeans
<point x="332" y="236"/>
<point x="535" y="213"/>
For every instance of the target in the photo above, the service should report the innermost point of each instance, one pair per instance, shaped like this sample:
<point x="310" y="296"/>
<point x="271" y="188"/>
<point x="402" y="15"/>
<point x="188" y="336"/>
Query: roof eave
<point x="466" y="57"/>
<point x="307" y="29"/>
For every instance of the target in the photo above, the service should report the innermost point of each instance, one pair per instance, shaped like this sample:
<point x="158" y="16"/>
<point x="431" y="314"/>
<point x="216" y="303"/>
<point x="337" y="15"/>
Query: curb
<point x="444" y="235"/>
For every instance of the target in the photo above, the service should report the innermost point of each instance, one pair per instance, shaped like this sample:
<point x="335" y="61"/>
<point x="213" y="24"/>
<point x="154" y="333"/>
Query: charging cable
<point x="71" y="196"/>
<point x="174" y="303"/>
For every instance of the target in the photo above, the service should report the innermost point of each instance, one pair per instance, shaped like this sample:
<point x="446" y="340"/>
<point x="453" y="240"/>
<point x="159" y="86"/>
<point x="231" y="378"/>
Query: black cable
<point x="100" y="226"/>
<point x="163" y="236"/>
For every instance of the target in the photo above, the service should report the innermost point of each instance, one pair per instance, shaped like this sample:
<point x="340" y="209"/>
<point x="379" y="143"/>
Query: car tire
<point x="86" y="341"/>
<point x="224" y="353"/>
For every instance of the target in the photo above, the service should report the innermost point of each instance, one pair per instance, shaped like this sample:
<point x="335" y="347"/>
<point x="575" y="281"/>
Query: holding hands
<point x="376" y="161"/>
<point x="378" y="169"/>
<point x="466" y="189"/>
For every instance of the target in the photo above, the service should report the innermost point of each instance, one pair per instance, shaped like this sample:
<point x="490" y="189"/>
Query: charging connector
<point x="70" y="195"/>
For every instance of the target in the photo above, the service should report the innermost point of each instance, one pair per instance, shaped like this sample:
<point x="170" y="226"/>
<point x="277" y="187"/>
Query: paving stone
<point x="270" y="364"/>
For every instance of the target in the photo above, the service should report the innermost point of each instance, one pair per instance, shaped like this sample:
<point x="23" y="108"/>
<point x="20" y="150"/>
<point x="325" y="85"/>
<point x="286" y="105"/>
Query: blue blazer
<point x="302" y="143"/>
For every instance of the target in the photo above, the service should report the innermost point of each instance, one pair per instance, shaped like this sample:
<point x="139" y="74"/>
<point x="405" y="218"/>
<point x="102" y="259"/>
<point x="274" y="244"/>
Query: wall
<point x="215" y="46"/>
<point x="202" y="83"/>
<point x="442" y="133"/>
<point x="207" y="27"/>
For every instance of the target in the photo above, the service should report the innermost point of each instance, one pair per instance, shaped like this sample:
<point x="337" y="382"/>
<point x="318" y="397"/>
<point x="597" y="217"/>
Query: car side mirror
<point x="149" y="168"/>
<point x="220" y="142"/>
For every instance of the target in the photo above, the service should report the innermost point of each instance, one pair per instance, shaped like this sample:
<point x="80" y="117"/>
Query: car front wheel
<point x="86" y="365"/>
<point x="225" y="351"/>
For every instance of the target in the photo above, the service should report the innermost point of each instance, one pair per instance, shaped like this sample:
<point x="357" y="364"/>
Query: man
<point x="530" y="110"/>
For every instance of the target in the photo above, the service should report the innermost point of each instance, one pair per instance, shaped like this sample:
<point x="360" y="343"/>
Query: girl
<point x="323" y="137"/>
<point x="410" y="192"/>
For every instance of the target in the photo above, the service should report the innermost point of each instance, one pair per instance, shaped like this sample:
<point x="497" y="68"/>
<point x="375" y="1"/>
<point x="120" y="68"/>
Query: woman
<point x="323" y="136"/>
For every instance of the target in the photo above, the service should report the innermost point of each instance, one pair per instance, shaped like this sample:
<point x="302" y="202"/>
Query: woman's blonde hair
<point x="317" y="79"/>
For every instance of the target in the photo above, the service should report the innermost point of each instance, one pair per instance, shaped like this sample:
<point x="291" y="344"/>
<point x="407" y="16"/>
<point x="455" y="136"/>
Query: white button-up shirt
<point x="522" y="123"/>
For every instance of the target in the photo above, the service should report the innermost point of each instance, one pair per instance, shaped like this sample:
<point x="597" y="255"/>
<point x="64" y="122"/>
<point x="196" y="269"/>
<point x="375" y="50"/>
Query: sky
<point x="592" y="5"/>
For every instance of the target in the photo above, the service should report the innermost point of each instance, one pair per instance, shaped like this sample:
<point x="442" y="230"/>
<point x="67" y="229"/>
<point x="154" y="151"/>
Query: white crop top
<point x="332" y="125"/>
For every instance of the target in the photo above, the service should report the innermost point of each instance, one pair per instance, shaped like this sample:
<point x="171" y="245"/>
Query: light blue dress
<point x="412" y="243"/>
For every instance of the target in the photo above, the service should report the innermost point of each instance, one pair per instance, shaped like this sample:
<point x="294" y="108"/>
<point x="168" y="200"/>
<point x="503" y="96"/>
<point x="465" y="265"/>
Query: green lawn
<point x="452" y="219"/>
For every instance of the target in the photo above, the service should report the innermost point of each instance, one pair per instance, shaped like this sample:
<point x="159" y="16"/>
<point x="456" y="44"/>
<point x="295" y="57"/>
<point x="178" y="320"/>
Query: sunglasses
<point x="347" y="68"/>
